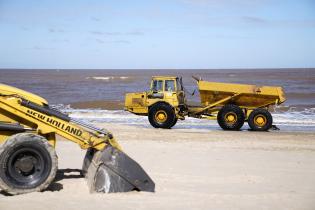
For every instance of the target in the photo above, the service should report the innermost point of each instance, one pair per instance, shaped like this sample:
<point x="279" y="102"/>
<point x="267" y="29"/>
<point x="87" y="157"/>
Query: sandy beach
<point x="192" y="170"/>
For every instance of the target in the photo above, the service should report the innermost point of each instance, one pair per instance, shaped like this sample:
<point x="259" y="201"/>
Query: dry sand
<point x="192" y="169"/>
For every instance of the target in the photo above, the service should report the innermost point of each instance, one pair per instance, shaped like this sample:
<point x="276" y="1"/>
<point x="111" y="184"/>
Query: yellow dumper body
<point x="250" y="96"/>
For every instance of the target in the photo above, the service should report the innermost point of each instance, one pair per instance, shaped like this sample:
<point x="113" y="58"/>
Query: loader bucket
<point x="111" y="170"/>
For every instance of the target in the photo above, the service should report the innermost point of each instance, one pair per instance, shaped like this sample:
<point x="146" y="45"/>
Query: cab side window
<point x="169" y="85"/>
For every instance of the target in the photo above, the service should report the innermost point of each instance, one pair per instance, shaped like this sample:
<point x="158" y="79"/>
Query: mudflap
<point x="111" y="170"/>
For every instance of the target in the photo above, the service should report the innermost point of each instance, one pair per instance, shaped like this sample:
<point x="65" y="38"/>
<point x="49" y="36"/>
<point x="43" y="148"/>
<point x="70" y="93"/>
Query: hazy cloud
<point x="95" y="19"/>
<point x="131" y="33"/>
<point x="115" y="41"/>
<point x="251" y="19"/>
<point x="299" y="23"/>
<point x="113" y="33"/>
<point x="228" y="2"/>
<point x="97" y="32"/>
<point x="105" y="33"/>
<point x="40" y="48"/>
<point x="229" y="36"/>
<point x="24" y="28"/>
<point x="99" y="41"/>
<point x="52" y="30"/>
<point x="278" y="23"/>
<point x="122" y="41"/>
<point x="61" y="40"/>
<point x="135" y="33"/>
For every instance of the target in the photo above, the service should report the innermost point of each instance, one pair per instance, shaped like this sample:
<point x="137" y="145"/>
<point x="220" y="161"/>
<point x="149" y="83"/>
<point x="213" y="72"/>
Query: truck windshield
<point x="169" y="85"/>
<point x="157" y="86"/>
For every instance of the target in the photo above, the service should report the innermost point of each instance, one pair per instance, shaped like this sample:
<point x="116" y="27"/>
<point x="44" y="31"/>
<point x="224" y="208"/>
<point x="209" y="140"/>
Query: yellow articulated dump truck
<point x="28" y="161"/>
<point x="230" y="104"/>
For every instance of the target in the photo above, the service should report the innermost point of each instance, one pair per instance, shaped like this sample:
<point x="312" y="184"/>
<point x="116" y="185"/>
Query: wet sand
<point x="192" y="170"/>
<point x="106" y="105"/>
<point x="119" y="105"/>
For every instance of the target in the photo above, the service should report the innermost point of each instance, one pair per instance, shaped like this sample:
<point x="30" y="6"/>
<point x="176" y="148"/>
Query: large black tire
<point x="226" y="114"/>
<point x="260" y="120"/>
<point x="162" y="109"/>
<point x="175" y="121"/>
<point x="28" y="163"/>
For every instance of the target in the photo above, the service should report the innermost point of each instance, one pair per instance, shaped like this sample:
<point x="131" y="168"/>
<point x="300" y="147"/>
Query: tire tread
<point x="231" y="108"/>
<point x="17" y="139"/>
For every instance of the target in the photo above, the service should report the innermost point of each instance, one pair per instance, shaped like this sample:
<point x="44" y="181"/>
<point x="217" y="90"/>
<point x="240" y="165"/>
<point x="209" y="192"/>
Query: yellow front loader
<point x="28" y="161"/>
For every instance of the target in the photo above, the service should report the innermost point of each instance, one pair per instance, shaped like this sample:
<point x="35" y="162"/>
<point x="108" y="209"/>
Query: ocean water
<point x="65" y="87"/>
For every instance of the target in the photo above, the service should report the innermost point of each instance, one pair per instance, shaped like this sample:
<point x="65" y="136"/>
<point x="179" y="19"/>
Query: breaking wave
<point x="108" y="78"/>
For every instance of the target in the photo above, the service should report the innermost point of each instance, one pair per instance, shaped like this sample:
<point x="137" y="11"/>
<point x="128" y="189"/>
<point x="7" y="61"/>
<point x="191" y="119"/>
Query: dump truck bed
<point x="245" y="95"/>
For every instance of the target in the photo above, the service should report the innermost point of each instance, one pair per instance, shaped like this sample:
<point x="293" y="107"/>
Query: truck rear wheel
<point x="162" y="116"/>
<point x="175" y="121"/>
<point x="28" y="163"/>
<point x="260" y="120"/>
<point x="231" y="117"/>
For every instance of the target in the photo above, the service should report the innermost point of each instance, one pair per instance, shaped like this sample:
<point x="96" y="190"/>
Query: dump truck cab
<point x="167" y="88"/>
<point x="163" y="89"/>
<point x="162" y="103"/>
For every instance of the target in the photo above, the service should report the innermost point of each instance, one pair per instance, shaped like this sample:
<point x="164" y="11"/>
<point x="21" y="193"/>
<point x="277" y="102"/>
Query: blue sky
<point x="150" y="34"/>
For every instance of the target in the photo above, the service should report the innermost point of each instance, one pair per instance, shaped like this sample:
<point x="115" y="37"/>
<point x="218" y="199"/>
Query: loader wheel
<point x="260" y="120"/>
<point x="28" y="163"/>
<point x="231" y="117"/>
<point x="162" y="116"/>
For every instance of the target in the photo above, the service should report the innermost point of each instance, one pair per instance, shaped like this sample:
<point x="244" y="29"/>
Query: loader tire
<point x="162" y="116"/>
<point x="28" y="163"/>
<point x="231" y="117"/>
<point x="260" y="120"/>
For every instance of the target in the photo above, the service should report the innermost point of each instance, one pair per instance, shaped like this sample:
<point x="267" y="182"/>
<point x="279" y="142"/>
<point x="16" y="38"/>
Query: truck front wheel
<point x="231" y="117"/>
<point x="162" y="116"/>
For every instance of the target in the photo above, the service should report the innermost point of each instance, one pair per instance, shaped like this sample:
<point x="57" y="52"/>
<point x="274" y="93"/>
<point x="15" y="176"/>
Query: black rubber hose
<point x="11" y="127"/>
<point x="45" y="110"/>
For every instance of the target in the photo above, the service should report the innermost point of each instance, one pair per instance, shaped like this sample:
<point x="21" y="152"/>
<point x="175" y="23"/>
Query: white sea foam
<point x="301" y="118"/>
<point x="102" y="78"/>
<point x="290" y="120"/>
<point x="107" y="78"/>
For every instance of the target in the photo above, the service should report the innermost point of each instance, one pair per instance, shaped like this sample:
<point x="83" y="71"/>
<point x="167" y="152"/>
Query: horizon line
<point x="149" y="69"/>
